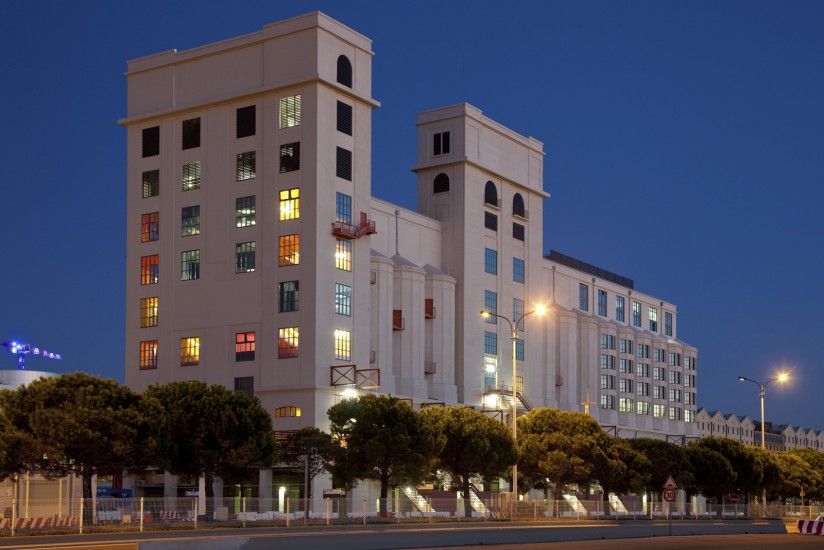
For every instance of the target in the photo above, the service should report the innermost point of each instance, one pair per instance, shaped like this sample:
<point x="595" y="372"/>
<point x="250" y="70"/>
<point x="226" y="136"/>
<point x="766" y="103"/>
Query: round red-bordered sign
<point x="670" y="495"/>
<point x="734" y="499"/>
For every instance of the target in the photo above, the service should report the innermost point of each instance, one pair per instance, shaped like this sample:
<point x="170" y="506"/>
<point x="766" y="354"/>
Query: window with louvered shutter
<point x="191" y="176"/>
<point x="490" y="194"/>
<point x="518" y="205"/>
<point x="344" y="118"/>
<point x="345" y="71"/>
<point x="289" y="111"/>
<point x="245" y="121"/>
<point x="151" y="141"/>
<point x="441" y="184"/>
<point x="289" y="157"/>
<point x="343" y="166"/>
<point x="518" y="231"/>
<point x="151" y="183"/>
<point x="491" y="221"/>
<point x="191" y="133"/>
<point x="245" y="166"/>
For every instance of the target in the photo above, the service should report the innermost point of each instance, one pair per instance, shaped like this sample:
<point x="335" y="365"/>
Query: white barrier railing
<point x="117" y="514"/>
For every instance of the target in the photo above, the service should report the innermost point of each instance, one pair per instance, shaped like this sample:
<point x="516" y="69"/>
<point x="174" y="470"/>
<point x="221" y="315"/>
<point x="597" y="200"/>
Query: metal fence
<point x="138" y="514"/>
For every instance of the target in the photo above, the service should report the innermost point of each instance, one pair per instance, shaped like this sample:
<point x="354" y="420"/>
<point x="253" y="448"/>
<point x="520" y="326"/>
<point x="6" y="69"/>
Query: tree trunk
<point x="87" y="483"/>
<point x="384" y="495"/>
<point x="308" y="477"/>
<point x="605" y="502"/>
<point x="208" y="482"/>
<point x="467" y="497"/>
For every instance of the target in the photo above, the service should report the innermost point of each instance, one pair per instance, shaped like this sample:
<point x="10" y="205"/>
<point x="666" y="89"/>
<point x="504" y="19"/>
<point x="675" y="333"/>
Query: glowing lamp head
<point x="541" y="309"/>
<point x="485" y="313"/>
<point x="783" y="377"/>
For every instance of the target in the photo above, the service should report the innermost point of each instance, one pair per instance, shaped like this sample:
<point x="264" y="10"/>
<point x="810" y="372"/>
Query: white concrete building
<point x="13" y="379"/>
<point x="782" y="437"/>
<point x="258" y="258"/>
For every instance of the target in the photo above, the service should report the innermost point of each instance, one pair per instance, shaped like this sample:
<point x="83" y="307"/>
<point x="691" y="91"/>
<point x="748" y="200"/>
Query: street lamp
<point x="762" y="390"/>
<point x="513" y="325"/>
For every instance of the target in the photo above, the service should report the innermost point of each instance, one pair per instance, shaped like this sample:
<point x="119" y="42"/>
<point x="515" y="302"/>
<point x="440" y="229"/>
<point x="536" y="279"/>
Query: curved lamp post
<point x="762" y="391"/>
<point x="513" y="326"/>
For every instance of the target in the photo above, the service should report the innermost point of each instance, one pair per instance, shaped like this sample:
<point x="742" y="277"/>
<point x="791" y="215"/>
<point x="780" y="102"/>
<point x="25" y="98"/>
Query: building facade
<point x="258" y="258"/>
<point x="782" y="437"/>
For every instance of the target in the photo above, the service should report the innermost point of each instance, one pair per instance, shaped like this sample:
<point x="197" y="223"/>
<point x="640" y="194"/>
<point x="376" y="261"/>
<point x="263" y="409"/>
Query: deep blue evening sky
<point x="684" y="141"/>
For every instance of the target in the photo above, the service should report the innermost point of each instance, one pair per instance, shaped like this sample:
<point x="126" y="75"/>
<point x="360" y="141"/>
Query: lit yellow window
<point x="290" y="204"/>
<point x="289" y="250"/>
<point x="343" y="255"/>
<point x="148" y="354"/>
<point x="148" y="312"/>
<point x="287" y="411"/>
<point x="343" y="345"/>
<point x="189" y="351"/>
<point x="288" y="342"/>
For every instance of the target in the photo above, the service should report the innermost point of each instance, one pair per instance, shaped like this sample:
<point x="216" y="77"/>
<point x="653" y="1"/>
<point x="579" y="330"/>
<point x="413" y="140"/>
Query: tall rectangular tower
<point x="248" y="170"/>
<point x="484" y="182"/>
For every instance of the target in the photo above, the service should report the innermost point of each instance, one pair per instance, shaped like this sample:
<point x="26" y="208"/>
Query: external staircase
<point x="476" y="502"/>
<point x="417" y="500"/>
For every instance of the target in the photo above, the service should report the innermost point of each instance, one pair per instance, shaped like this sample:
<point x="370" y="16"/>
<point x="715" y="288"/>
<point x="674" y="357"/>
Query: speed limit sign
<point x="670" y="495"/>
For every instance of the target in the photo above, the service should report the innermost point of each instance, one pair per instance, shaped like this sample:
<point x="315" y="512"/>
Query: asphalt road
<point x="521" y="536"/>
<point x="689" y="542"/>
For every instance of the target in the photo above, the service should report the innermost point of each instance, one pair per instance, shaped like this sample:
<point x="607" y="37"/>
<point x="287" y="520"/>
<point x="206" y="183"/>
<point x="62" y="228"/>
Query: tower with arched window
<point x="482" y="180"/>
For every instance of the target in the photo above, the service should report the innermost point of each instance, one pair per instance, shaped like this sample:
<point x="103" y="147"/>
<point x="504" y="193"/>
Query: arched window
<point x="518" y="205"/>
<point x="490" y="194"/>
<point x="281" y="412"/>
<point x="441" y="183"/>
<point x="345" y="71"/>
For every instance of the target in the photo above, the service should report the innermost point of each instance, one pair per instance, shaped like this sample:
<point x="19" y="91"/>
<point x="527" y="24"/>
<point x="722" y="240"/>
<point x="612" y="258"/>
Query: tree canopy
<point x="561" y="447"/>
<point x="215" y="432"/>
<point x="815" y="459"/>
<point x="622" y="469"/>
<point x="795" y="475"/>
<point x="666" y="459"/>
<point x="381" y="437"/>
<point x="79" y="422"/>
<point x="744" y="460"/>
<point x="713" y="475"/>
<point x="87" y="425"/>
<point x="474" y="445"/>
